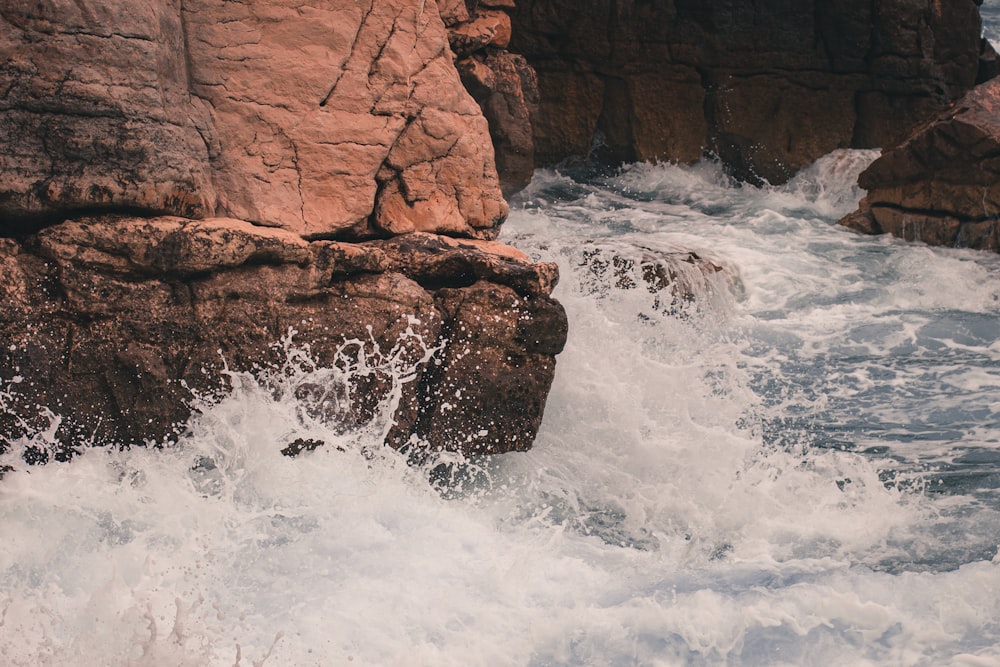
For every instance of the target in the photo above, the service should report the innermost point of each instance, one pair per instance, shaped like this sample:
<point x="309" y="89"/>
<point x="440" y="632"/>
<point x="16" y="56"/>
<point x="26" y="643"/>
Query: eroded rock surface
<point x="112" y="323"/>
<point x="503" y="83"/>
<point x="332" y="120"/>
<point x="942" y="185"/>
<point x="768" y="86"/>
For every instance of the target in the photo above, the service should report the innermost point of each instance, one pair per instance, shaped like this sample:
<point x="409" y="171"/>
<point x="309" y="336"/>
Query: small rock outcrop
<point x="677" y="280"/>
<point x="942" y="185"/>
<point x="768" y="86"/>
<point x="113" y="324"/>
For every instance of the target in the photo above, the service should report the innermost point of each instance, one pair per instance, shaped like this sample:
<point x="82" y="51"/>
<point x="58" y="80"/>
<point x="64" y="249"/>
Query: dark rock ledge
<point x="112" y="322"/>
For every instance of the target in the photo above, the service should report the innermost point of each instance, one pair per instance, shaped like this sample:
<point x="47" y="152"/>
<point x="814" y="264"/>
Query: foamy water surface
<point x="798" y="468"/>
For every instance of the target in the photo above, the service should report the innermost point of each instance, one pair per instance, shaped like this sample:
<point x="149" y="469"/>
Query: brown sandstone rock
<point x="284" y="113"/>
<point x="768" y="86"/>
<point x="112" y="322"/>
<point x="486" y="27"/>
<point x="453" y="11"/>
<point x="942" y="185"/>
<point x="286" y="128"/>
<point x="506" y="88"/>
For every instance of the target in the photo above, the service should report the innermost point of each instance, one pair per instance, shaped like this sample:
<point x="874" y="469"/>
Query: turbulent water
<point x="801" y="466"/>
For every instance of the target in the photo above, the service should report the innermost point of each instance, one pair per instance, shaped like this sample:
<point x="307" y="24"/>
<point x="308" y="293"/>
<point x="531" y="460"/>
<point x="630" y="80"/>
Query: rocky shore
<point x="942" y="185"/>
<point x="184" y="184"/>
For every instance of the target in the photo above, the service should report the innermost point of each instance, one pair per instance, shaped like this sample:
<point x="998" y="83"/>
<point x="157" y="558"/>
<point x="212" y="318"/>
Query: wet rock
<point x="300" y="445"/>
<point x="184" y="185"/>
<point x="767" y="86"/>
<point x="303" y="116"/>
<point x="675" y="278"/>
<point x="114" y="323"/>
<point x="942" y="185"/>
<point x="486" y="397"/>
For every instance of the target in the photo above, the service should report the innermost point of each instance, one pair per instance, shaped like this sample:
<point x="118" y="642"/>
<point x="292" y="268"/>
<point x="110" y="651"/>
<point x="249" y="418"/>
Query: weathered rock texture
<point x="332" y="120"/>
<point x="768" y="86"/>
<point x="111" y="323"/>
<point x="503" y="83"/>
<point x="942" y="185"/>
<point x="183" y="182"/>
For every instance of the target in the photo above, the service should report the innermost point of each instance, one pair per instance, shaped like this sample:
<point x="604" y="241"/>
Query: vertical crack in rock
<point x="350" y="57"/>
<point x="298" y="172"/>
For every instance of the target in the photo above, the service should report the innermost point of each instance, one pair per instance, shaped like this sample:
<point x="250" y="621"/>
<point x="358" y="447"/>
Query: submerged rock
<point x="767" y="85"/>
<point x="114" y="323"/>
<point x="676" y="279"/>
<point x="942" y="185"/>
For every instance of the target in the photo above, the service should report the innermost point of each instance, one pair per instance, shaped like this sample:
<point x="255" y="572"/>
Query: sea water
<point x="800" y="466"/>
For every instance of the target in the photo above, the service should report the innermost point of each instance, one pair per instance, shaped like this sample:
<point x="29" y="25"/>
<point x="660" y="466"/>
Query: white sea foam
<point x="801" y="470"/>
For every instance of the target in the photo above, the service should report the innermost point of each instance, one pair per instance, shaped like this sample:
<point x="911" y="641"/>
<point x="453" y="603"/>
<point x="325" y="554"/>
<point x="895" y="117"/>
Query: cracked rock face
<point x="942" y="185"/>
<point x="766" y="85"/>
<point x="330" y="120"/>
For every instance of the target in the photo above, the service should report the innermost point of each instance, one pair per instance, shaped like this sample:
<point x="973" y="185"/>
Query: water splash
<point x="745" y="484"/>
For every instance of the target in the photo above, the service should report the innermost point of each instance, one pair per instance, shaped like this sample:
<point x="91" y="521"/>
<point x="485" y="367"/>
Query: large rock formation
<point x="768" y="86"/>
<point x="184" y="182"/>
<point x="942" y="185"/>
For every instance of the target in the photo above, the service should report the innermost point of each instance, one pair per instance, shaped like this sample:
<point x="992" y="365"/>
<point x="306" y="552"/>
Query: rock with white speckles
<point x="112" y="322"/>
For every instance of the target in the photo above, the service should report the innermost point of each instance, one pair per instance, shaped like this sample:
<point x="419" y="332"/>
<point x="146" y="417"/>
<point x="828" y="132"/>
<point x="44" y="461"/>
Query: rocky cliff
<point x="768" y="86"/>
<point x="183" y="183"/>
